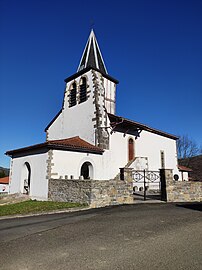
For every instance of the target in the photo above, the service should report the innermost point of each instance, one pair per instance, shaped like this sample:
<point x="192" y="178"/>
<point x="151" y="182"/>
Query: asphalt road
<point x="147" y="236"/>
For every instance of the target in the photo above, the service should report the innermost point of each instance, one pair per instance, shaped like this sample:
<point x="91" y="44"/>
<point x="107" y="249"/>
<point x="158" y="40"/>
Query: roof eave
<point x="146" y="128"/>
<point x="75" y="149"/>
<point x="48" y="145"/>
<point x="81" y="72"/>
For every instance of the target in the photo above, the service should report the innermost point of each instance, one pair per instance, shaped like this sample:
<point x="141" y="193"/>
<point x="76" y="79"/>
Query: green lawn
<point x="34" y="207"/>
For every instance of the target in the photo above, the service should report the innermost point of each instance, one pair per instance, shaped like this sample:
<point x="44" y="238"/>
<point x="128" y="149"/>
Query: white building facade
<point x="86" y="139"/>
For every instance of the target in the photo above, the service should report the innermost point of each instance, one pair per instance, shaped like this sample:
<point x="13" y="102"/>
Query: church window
<point x="83" y="90"/>
<point x="130" y="149"/>
<point x="72" y="95"/>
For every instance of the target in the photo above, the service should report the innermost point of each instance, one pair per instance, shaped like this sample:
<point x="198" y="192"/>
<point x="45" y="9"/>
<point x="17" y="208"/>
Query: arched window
<point x="130" y="149"/>
<point x="83" y="90"/>
<point x="26" y="178"/>
<point x="72" y="95"/>
<point x="87" y="170"/>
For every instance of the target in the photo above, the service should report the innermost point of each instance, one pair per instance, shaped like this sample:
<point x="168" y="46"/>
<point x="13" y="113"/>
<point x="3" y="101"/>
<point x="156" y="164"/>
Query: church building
<point x="86" y="140"/>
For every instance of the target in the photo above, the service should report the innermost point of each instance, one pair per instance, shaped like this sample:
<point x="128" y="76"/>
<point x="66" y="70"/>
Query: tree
<point x="187" y="147"/>
<point x="2" y="174"/>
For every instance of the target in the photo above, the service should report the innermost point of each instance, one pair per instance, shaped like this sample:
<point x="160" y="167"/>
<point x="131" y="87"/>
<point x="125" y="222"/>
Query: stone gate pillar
<point x="166" y="178"/>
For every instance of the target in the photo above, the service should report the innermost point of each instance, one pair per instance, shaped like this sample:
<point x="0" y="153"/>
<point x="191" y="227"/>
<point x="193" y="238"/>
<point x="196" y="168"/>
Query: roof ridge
<point x="64" y="139"/>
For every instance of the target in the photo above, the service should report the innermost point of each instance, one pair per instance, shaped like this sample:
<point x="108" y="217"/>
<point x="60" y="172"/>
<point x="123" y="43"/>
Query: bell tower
<point x="92" y="57"/>
<point x="89" y="96"/>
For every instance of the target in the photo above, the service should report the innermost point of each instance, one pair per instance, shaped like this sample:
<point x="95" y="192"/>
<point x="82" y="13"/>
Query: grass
<point x="33" y="206"/>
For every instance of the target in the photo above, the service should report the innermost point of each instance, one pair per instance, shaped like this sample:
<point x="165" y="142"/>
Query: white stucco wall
<point x="184" y="176"/>
<point x="107" y="166"/>
<point x="76" y="120"/>
<point x="68" y="163"/>
<point x="38" y="181"/>
<point x="4" y="188"/>
<point x="110" y="95"/>
<point x="150" y="145"/>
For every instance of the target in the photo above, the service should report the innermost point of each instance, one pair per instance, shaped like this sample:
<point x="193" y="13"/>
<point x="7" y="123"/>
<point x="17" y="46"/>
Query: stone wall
<point x="182" y="191"/>
<point x="111" y="192"/>
<point x="62" y="190"/>
<point x="95" y="193"/>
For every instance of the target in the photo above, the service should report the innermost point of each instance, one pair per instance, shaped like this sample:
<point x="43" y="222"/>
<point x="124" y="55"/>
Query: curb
<point x="68" y="210"/>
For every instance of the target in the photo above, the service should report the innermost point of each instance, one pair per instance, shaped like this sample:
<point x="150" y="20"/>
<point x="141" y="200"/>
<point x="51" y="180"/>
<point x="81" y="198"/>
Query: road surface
<point x="146" y="236"/>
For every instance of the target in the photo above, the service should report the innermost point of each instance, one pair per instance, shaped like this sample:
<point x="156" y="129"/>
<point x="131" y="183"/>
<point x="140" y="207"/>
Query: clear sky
<point x="153" y="47"/>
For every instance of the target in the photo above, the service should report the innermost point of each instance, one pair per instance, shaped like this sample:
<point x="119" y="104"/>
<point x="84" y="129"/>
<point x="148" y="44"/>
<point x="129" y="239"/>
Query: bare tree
<point x="187" y="147"/>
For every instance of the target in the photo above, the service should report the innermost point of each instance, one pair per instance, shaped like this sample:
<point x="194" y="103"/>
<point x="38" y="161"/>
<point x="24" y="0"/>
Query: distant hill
<point x="194" y="163"/>
<point x="4" y="172"/>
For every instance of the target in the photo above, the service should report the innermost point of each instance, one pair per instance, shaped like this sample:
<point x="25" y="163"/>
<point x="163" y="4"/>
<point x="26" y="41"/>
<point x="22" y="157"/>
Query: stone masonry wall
<point x="182" y="191"/>
<point x="62" y="190"/>
<point x="95" y="193"/>
<point x="111" y="192"/>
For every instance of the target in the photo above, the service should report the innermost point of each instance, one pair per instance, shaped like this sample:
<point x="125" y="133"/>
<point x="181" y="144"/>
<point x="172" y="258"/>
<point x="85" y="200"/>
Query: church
<point x="86" y="140"/>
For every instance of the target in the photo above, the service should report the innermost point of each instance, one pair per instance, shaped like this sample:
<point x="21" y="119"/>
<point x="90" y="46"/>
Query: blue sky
<point x="154" y="49"/>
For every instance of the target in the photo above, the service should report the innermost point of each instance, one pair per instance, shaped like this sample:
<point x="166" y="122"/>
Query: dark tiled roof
<point x="70" y="144"/>
<point x="125" y="124"/>
<point x="4" y="180"/>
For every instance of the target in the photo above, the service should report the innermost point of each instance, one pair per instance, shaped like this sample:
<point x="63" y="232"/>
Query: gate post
<point x="144" y="185"/>
<point x="166" y="176"/>
<point x="126" y="174"/>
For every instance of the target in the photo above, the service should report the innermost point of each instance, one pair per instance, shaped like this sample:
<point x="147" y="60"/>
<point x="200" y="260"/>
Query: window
<point x="130" y="149"/>
<point x="83" y="91"/>
<point x="162" y="160"/>
<point x="26" y="177"/>
<point x="72" y="95"/>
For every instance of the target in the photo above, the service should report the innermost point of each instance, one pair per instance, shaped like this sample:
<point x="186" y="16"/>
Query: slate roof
<point x="92" y="56"/>
<point x="70" y="144"/>
<point x="121" y="123"/>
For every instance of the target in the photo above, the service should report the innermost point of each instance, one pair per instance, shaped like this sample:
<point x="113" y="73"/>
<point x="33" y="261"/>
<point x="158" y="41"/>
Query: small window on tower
<point x="162" y="159"/>
<point x="83" y="91"/>
<point x="72" y="95"/>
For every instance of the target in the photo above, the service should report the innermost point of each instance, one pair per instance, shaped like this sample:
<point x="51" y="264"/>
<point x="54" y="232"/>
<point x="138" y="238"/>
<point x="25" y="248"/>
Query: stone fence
<point x="182" y="191"/>
<point x="95" y="193"/>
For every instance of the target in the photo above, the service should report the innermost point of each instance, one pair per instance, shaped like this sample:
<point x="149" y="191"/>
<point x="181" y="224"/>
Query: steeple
<point x="92" y="56"/>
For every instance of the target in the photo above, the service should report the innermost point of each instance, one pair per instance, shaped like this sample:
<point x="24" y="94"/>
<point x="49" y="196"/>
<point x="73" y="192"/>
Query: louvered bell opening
<point x="72" y="100"/>
<point x="83" y="93"/>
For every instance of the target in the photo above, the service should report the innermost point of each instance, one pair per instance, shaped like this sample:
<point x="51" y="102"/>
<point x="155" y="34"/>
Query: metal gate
<point x="147" y="184"/>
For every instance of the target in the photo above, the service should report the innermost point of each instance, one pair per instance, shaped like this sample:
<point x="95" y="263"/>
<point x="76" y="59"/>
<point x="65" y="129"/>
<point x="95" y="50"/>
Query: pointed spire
<point x="92" y="56"/>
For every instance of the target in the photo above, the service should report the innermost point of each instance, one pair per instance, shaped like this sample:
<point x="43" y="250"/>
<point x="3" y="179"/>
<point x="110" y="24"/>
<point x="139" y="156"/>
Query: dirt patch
<point x="13" y="198"/>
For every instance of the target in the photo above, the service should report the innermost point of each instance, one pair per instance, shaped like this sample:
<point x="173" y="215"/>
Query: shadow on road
<point x="192" y="206"/>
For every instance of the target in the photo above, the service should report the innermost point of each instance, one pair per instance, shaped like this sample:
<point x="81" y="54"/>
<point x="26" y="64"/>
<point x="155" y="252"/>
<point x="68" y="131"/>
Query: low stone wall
<point x="95" y="193"/>
<point x="69" y="190"/>
<point x="185" y="192"/>
<point x="182" y="191"/>
<point x="111" y="192"/>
